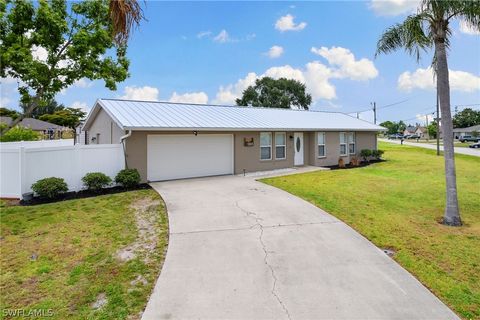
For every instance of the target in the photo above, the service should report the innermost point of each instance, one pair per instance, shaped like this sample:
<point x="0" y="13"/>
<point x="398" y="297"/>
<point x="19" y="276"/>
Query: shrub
<point x="128" y="178"/>
<point x="365" y="154"/>
<point x="50" y="187"/>
<point x="96" y="181"/>
<point x="19" y="134"/>
<point x="341" y="163"/>
<point x="377" y="154"/>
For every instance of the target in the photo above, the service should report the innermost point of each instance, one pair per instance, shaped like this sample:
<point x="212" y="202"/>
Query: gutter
<point x="122" y="139"/>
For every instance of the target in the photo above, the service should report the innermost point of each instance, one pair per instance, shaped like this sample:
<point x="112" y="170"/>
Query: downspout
<point x="122" y="139"/>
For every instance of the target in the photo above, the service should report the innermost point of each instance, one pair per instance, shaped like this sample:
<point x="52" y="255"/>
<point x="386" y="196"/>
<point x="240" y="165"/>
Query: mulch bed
<point x="81" y="194"/>
<point x="349" y="166"/>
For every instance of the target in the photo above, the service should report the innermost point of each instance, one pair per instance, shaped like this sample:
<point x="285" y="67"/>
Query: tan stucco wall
<point x="364" y="140"/>
<point x="245" y="158"/>
<point x="248" y="158"/>
<point x="109" y="131"/>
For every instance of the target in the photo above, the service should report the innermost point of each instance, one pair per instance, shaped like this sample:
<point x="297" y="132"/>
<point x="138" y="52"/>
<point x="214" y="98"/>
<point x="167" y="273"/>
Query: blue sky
<point x="210" y="51"/>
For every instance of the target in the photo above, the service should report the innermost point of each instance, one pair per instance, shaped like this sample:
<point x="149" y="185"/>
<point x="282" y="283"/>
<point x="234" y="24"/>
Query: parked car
<point x="412" y="136"/>
<point x="475" y="145"/>
<point x="395" y="136"/>
<point x="469" y="139"/>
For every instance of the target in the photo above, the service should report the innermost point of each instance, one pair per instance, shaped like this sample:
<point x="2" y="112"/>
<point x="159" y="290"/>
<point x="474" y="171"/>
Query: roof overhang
<point x="94" y="112"/>
<point x="249" y="129"/>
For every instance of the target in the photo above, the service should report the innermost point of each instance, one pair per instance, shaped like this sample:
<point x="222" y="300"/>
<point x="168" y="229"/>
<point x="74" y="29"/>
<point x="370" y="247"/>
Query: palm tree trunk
<point x="452" y="213"/>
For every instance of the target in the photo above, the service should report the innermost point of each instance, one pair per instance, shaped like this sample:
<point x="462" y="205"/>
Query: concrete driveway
<point x="240" y="249"/>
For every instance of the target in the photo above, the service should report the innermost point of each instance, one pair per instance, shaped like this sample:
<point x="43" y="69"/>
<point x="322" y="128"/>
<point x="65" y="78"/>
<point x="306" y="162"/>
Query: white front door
<point x="298" y="146"/>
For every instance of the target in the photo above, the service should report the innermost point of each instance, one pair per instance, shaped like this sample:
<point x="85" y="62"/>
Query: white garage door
<point x="188" y="156"/>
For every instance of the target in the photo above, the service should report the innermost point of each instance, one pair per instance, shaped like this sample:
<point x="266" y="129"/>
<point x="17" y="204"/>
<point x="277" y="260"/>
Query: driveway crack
<point x="251" y="214"/>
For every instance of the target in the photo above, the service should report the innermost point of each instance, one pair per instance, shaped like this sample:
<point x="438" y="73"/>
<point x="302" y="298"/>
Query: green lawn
<point x="398" y="204"/>
<point x="64" y="256"/>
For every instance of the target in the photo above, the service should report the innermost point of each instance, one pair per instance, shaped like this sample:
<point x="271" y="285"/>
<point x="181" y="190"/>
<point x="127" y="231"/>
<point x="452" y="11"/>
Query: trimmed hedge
<point x="128" y="178"/>
<point x="50" y="187"/>
<point x="96" y="181"/>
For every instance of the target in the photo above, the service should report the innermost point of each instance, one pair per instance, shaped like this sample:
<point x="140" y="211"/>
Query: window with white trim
<point x="265" y="145"/>
<point x="280" y="145"/>
<point x="343" y="144"/>
<point x="321" y="144"/>
<point x="351" y="143"/>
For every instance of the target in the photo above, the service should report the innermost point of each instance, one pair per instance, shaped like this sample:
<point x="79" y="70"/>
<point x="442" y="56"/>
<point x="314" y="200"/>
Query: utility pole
<point x="438" y="128"/>
<point x="374" y="112"/>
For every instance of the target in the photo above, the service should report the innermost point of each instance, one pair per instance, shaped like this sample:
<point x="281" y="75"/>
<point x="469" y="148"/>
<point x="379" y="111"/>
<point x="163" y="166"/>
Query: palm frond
<point x="409" y="35"/>
<point x="125" y="14"/>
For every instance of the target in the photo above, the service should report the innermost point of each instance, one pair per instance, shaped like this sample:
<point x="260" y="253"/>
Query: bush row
<point x="94" y="181"/>
<point x="367" y="153"/>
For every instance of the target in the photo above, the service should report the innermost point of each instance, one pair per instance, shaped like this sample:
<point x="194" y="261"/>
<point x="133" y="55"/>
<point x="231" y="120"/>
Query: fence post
<point x="78" y="169"/>
<point x="22" y="169"/>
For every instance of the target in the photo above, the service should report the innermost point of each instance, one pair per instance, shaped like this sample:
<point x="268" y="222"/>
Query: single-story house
<point x="469" y="131"/>
<point x="422" y="132"/>
<point x="167" y="141"/>
<point x="409" y="130"/>
<point x="49" y="130"/>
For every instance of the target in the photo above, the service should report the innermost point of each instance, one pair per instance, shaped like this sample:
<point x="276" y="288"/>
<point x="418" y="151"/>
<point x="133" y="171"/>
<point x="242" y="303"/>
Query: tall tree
<point x="430" y="28"/>
<point x="276" y="93"/>
<point x="69" y="117"/>
<point x="50" y="45"/>
<point x="466" y="118"/>
<point x="48" y="108"/>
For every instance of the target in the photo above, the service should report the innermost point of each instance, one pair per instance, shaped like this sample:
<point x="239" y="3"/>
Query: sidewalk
<point x="467" y="151"/>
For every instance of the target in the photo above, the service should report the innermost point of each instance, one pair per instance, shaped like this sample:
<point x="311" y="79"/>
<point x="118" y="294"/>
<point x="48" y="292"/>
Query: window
<point x="265" y="145"/>
<point x="321" y="144"/>
<point x="351" y="143"/>
<point x="343" y="144"/>
<point x="280" y="145"/>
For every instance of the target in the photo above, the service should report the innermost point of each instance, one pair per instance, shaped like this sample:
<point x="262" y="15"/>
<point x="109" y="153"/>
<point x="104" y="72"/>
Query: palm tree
<point x="429" y="28"/>
<point x="125" y="14"/>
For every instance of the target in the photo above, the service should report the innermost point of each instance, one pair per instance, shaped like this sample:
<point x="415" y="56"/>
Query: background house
<point x="469" y="131"/>
<point x="48" y="130"/>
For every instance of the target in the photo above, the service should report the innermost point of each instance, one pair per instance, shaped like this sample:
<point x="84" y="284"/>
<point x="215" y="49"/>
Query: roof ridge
<point x="221" y="105"/>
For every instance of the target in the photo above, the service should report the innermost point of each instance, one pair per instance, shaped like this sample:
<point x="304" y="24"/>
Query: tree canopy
<point x="466" y="118"/>
<point x="276" y="93"/>
<point x="394" y="127"/>
<point x="48" y="46"/>
<point x="68" y="117"/>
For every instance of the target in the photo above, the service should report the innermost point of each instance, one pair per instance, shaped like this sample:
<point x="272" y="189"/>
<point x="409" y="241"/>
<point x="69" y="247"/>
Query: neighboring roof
<point x="34" y="124"/>
<point x="422" y="129"/>
<point x="410" y="129"/>
<point x="6" y="120"/>
<point x="468" y="129"/>
<point x="144" y="115"/>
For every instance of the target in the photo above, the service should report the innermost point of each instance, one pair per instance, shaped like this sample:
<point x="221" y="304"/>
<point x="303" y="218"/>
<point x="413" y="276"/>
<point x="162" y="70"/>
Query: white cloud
<point x="287" y="23"/>
<point x="468" y="29"/>
<point x="315" y="75"/>
<point x="423" y="79"/>
<point x="204" y="34"/>
<point x="83" y="83"/>
<point x="393" y="7"/>
<point x="275" y="52"/>
<point x="190" y="97"/>
<point x="222" y="37"/>
<point x="145" y="93"/>
<point x="228" y="94"/>
<point x="39" y="53"/>
<point x="4" y="101"/>
<point x="348" y="67"/>
<point x="9" y="80"/>
<point x="81" y="105"/>
<point x="422" y="117"/>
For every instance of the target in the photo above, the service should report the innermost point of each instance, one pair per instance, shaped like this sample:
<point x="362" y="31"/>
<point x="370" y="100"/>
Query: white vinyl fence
<point x="20" y="167"/>
<point x="38" y="143"/>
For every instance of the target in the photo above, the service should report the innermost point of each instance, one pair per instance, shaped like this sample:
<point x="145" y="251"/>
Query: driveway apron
<point x="240" y="249"/>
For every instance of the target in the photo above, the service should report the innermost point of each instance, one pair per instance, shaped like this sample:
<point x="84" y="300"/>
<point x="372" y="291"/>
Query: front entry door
<point x="298" y="146"/>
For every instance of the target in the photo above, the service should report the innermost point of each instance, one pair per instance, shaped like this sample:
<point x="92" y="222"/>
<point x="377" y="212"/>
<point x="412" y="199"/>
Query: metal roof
<point x="150" y="115"/>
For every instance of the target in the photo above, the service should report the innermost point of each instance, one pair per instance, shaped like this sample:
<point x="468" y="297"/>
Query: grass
<point x="62" y="256"/>
<point x="434" y="142"/>
<point x="398" y="204"/>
